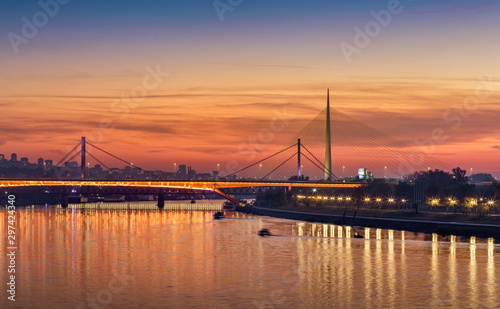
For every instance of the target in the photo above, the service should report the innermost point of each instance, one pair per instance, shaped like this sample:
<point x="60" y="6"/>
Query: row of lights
<point x="451" y="201"/>
<point x="348" y="198"/>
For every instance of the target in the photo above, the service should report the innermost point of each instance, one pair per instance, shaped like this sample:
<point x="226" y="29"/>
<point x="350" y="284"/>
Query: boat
<point x="218" y="215"/>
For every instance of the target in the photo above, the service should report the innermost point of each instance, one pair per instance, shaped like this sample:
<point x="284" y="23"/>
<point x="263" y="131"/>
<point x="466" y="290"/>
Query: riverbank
<point x="425" y="222"/>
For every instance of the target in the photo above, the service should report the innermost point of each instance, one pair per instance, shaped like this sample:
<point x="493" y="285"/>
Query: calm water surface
<point x="184" y="259"/>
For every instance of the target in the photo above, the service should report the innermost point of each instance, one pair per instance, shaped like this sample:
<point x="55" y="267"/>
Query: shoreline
<point x="411" y="225"/>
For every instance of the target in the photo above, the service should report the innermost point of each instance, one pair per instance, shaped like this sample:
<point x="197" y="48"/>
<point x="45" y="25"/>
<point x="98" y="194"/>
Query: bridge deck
<point x="179" y="184"/>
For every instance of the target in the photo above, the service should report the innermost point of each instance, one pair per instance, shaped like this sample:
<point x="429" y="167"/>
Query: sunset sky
<point x="230" y="73"/>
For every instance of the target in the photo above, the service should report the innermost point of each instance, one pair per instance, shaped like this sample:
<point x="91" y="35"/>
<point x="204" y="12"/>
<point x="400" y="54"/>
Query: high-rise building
<point x="40" y="161"/>
<point x="13" y="157"/>
<point x="182" y="170"/>
<point x="2" y="157"/>
<point x="24" y="160"/>
<point x="191" y="172"/>
<point x="48" y="163"/>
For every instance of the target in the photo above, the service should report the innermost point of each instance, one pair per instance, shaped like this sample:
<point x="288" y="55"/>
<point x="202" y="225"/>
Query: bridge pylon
<point x="299" y="166"/>
<point x="328" y="141"/>
<point x="83" y="144"/>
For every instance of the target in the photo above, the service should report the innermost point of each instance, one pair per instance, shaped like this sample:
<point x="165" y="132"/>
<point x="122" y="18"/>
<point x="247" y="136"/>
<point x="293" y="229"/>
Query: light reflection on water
<point x="185" y="259"/>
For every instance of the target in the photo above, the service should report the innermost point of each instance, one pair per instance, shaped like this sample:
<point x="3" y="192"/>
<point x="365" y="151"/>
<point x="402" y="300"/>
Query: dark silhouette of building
<point x="40" y="161"/>
<point x="71" y="164"/>
<point x="13" y="157"/>
<point x="182" y="170"/>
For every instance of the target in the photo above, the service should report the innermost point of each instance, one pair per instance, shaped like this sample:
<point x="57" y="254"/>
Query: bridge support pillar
<point x="64" y="201"/>
<point x="161" y="200"/>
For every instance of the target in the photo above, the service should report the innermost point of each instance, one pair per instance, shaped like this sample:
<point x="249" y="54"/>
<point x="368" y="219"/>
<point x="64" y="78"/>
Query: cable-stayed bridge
<point x="329" y="143"/>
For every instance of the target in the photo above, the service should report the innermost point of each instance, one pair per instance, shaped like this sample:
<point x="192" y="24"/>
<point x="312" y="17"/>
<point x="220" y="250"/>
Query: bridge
<point x="156" y="186"/>
<point x="298" y="151"/>
<point x="173" y="184"/>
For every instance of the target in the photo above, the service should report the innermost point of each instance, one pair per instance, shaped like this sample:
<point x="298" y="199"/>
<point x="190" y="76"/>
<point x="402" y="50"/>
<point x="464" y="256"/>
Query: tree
<point x="273" y="198"/>
<point x="459" y="175"/>
<point x="482" y="177"/>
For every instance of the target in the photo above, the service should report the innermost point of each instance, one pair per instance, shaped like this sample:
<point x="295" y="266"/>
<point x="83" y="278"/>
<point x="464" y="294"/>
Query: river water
<point x="136" y="258"/>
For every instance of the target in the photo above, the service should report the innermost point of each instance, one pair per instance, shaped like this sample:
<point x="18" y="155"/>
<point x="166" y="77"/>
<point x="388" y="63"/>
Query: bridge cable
<point x="253" y="164"/>
<point x="319" y="167"/>
<point x="124" y="161"/>
<point x="289" y="158"/>
<point x="98" y="161"/>
<point x="75" y="155"/>
<point x="330" y="173"/>
<point x="64" y="158"/>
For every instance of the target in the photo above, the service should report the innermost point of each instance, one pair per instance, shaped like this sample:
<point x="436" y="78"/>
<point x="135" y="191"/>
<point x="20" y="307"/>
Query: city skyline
<point x="169" y="80"/>
<point x="183" y="169"/>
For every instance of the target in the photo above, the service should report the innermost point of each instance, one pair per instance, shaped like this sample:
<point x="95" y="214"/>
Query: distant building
<point x="2" y="157"/>
<point x="40" y="161"/>
<point x="71" y="164"/>
<point x="182" y="170"/>
<point x="24" y="161"/>
<point x="191" y="172"/>
<point x="49" y="163"/>
<point x="13" y="157"/>
<point x="363" y="174"/>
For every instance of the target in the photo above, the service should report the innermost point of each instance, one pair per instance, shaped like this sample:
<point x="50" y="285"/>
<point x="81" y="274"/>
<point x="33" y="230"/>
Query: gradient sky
<point x="434" y="66"/>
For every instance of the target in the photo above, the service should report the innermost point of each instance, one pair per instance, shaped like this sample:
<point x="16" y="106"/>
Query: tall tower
<point x="328" y="141"/>
<point x="83" y="142"/>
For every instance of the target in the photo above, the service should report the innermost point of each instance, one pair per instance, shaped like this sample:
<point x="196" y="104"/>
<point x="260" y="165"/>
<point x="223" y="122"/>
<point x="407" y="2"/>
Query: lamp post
<point x="385" y="171"/>
<point x="175" y="167"/>
<point x="343" y="171"/>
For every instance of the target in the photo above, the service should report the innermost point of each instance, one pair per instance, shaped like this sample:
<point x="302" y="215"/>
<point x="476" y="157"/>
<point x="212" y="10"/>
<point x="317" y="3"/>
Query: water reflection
<point x="186" y="259"/>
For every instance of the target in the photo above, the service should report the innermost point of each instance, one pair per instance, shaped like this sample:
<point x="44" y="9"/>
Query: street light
<point x="260" y="170"/>
<point x="343" y="171"/>
<point x="175" y="167"/>
<point x="385" y="171"/>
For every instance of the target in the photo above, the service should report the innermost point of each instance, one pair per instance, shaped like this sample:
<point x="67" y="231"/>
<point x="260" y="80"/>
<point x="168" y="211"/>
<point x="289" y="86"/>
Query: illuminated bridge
<point x="362" y="142"/>
<point x="172" y="184"/>
<point x="156" y="186"/>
